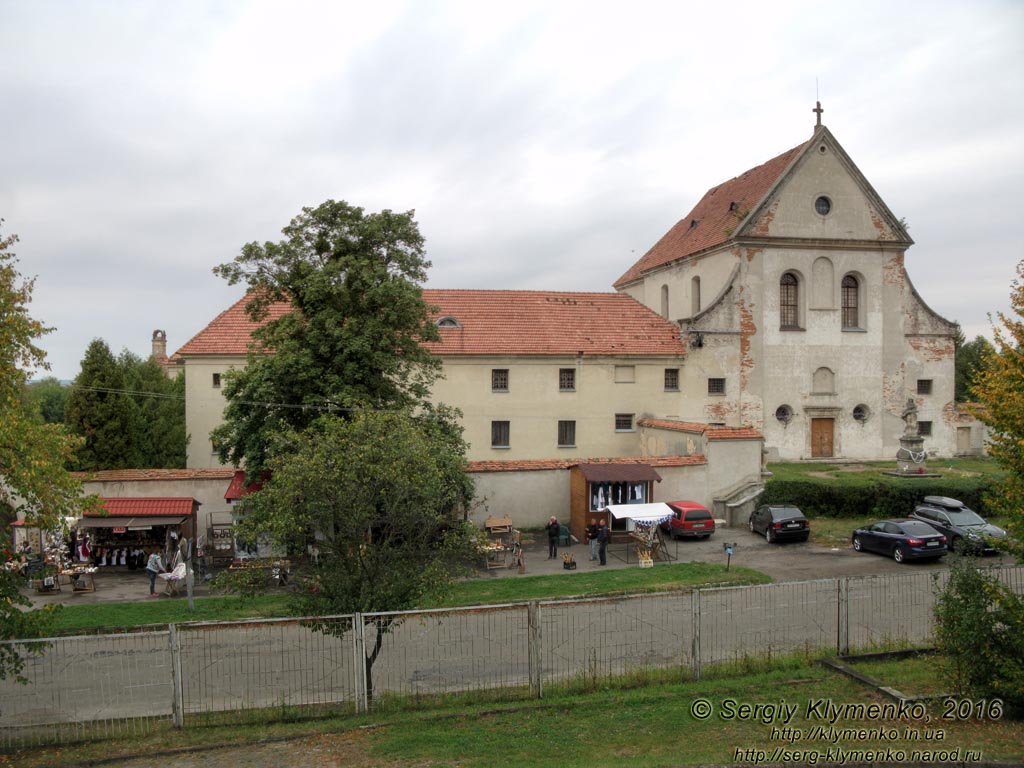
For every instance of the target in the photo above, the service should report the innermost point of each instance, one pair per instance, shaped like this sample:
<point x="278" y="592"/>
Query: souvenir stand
<point x="595" y="486"/>
<point x="125" y="532"/>
<point x="643" y="523"/>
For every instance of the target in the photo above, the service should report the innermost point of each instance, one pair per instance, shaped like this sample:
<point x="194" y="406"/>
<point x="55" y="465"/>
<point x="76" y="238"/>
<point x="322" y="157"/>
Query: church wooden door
<point x="821" y="438"/>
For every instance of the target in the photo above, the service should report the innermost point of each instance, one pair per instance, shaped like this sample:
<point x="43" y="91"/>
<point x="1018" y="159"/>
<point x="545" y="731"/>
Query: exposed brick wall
<point x="932" y="349"/>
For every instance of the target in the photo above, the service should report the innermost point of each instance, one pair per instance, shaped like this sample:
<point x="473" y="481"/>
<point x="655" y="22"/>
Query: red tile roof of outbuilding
<point x="712" y="433"/>
<point x="145" y="507"/>
<point x="533" y="465"/>
<point x="714" y="219"/>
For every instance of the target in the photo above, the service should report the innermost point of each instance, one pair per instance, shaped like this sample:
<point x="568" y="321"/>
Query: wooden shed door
<point x="821" y="438"/>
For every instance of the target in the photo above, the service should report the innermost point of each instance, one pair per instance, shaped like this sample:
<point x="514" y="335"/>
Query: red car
<point x="689" y="520"/>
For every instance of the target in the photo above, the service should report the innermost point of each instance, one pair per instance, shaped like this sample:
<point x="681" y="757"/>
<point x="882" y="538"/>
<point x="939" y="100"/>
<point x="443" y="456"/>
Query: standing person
<point x="592" y="531"/>
<point x="603" y="535"/>
<point x="553" y="530"/>
<point x="154" y="566"/>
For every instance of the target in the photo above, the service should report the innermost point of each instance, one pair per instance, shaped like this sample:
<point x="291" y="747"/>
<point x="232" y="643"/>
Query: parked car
<point x="966" y="529"/>
<point x="780" y="522"/>
<point x="904" y="539"/>
<point x="689" y="520"/>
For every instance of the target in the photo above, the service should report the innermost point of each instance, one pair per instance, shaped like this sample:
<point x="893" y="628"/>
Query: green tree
<point x="100" y="411"/>
<point x="47" y="397"/>
<point x="384" y="492"/>
<point x="999" y="391"/>
<point x="33" y="456"/>
<point x="159" y="426"/>
<point x="968" y="360"/>
<point x="352" y="335"/>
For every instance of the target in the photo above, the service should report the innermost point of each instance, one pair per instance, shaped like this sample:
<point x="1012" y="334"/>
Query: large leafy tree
<point x="383" y="492"/>
<point x="47" y="397"/>
<point x="999" y="391"/>
<point x="160" y="403"/>
<point x="33" y="455"/>
<point x="969" y="359"/>
<point x="352" y="335"/>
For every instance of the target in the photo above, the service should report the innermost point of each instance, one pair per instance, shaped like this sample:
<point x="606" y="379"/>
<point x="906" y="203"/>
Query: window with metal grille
<point x="924" y="386"/>
<point x="851" y="302"/>
<point x="716" y="386"/>
<point x="499" y="379"/>
<point x="924" y="428"/>
<point x="789" y="301"/>
<point x="671" y="379"/>
<point x="566" y="434"/>
<point x="566" y="379"/>
<point x="499" y="434"/>
<point x="216" y="380"/>
<point x="623" y="422"/>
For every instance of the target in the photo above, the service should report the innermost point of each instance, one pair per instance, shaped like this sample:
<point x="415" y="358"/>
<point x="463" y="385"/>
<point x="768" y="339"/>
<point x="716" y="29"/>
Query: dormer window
<point x="448" y="322"/>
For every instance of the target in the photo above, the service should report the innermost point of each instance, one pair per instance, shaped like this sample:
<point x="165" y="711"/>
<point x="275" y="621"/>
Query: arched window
<point x="851" y="302"/>
<point x="789" y="301"/>
<point x="694" y="296"/>
<point x="447" y="322"/>
<point x="664" y="301"/>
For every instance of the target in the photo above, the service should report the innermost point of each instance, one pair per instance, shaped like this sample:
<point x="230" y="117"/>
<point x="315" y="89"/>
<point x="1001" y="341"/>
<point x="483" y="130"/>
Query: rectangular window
<point x="671" y="379"/>
<point x="716" y="386"/>
<point x="625" y="374"/>
<point x="924" y="428"/>
<point x="499" y="434"/>
<point x="566" y="379"/>
<point x="499" y="379"/>
<point x="216" y="381"/>
<point x="623" y="422"/>
<point x="924" y="386"/>
<point x="566" y="434"/>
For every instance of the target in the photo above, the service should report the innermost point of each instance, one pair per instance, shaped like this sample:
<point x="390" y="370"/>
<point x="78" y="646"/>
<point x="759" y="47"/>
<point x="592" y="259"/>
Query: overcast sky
<point x="542" y="145"/>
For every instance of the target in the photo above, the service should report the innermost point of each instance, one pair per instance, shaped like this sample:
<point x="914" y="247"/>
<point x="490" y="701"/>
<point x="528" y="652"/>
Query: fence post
<point x="695" y="651"/>
<point x="843" y="618"/>
<point x="533" y="648"/>
<point x="178" y="696"/>
<point x="359" y="662"/>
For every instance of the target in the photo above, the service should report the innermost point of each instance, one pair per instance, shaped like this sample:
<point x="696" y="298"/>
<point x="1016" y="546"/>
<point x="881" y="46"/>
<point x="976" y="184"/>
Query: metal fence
<point x="120" y="685"/>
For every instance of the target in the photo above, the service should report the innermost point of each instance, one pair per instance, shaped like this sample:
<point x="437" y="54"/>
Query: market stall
<point x="594" y="486"/>
<point x="642" y="523"/>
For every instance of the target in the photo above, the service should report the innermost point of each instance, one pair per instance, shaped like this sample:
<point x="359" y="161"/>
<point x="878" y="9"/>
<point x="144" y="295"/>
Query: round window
<point x="823" y="206"/>
<point x="861" y="412"/>
<point x="784" y="414"/>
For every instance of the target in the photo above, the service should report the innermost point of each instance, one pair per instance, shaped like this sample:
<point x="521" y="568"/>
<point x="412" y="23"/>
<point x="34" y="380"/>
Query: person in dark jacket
<point x="592" y="531"/>
<point x="554" y="529"/>
<point x="603" y="537"/>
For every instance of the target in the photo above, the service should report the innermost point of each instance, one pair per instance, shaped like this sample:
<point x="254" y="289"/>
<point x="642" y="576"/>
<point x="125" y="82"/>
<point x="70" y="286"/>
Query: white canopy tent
<point x="648" y="514"/>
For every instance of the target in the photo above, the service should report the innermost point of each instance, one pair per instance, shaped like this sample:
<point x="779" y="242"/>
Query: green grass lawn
<point x="648" y="723"/>
<point x="869" y="472"/>
<point x="919" y="675"/>
<point x="476" y="591"/>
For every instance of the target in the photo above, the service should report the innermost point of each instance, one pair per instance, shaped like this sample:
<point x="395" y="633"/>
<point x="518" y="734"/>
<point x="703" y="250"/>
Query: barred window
<point x="623" y="422"/>
<point x="924" y="386"/>
<point x="671" y="379"/>
<point x="499" y="379"/>
<point x="924" y="428"/>
<point x="566" y="434"/>
<point x="851" y="302"/>
<point x="499" y="434"/>
<point x="716" y="386"/>
<point x="566" y="379"/>
<point x="789" y="301"/>
<point x="216" y="380"/>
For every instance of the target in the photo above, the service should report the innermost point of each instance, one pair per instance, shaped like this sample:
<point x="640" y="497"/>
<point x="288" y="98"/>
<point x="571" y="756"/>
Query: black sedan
<point x="780" y="522"/>
<point x="903" y="539"/>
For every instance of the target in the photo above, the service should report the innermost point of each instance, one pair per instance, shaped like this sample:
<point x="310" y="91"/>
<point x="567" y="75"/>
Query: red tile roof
<point x="130" y="475"/>
<point x="230" y="332"/>
<point x="550" y="323"/>
<point x="140" y="507"/>
<point x="714" y="219"/>
<point x="711" y="433"/>
<point x="237" y="488"/>
<point x="534" y="465"/>
<point x="500" y="322"/>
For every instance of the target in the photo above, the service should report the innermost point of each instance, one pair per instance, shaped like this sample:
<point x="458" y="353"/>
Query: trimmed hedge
<point x="873" y="496"/>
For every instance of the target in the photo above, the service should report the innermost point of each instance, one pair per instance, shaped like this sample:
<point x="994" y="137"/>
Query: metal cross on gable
<point x="819" y="110"/>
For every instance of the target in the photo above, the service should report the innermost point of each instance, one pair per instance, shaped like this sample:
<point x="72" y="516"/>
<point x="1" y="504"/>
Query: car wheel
<point x="857" y="545"/>
<point x="768" y="535"/>
<point x="897" y="554"/>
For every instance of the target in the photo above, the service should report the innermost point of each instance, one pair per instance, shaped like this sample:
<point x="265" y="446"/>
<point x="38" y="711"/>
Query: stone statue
<point x="910" y="417"/>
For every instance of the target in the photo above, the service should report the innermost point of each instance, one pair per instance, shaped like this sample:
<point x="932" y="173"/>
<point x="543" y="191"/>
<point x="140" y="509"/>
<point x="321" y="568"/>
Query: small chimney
<point x="159" y="345"/>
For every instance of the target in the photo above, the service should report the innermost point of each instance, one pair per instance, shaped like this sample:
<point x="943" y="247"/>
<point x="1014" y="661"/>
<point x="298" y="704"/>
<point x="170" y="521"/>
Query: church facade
<point x="776" y="319"/>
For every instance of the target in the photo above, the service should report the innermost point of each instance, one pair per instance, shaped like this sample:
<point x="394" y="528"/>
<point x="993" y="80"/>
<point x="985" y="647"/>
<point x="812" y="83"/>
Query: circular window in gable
<point x="861" y="413"/>
<point x="784" y="414"/>
<point x="823" y="206"/>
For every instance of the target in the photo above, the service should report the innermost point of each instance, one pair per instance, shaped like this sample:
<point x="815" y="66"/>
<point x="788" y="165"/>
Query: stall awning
<point x="131" y="523"/>
<point x="618" y="473"/>
<point x="641" y="513"/>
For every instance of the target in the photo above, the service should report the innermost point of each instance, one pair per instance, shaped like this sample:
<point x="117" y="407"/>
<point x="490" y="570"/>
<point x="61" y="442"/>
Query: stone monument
<point x="911" y="456"/>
